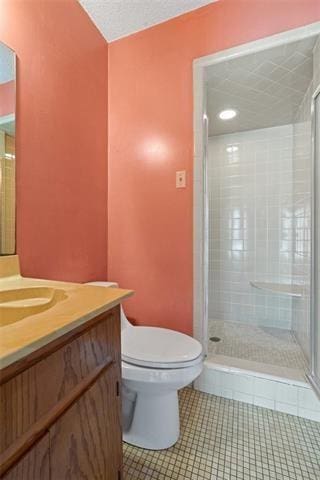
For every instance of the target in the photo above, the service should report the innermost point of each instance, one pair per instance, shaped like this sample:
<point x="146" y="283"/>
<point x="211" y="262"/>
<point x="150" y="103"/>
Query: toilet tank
<point x="124" y="321"/>
<point x="103" y="284"/>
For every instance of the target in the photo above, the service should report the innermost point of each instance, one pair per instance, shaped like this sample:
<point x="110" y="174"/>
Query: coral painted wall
<point x="61" y="138"/>
<point x="7" y="98"/>
<point x="150" y="137"/>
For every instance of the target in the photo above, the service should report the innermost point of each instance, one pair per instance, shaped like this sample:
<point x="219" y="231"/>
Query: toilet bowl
<point x="156" y="363"/>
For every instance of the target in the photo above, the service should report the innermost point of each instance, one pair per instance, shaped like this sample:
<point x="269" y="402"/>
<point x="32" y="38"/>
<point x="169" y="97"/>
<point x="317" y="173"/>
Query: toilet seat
<point x="161" y="376"/>
<point x="155" y="347"/>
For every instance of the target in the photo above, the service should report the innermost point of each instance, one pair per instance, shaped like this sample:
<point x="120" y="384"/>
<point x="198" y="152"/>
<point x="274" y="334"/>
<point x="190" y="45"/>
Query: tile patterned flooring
<point x="273" y="346"/>
<point x="228" y="440"/>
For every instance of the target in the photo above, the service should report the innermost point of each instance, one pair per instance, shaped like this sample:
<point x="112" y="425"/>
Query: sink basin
<point x="20" y="303"/>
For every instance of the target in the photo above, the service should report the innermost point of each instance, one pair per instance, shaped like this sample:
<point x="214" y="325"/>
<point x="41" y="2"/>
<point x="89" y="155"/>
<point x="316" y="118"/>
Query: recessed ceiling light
<point x="227" y="114"/>
<point x="232" y="149"/>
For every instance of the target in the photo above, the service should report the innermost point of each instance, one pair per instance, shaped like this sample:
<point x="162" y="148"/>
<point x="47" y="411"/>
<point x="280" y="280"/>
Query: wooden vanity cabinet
<point x="61" y="410"/>
<point x="35" y="464"/>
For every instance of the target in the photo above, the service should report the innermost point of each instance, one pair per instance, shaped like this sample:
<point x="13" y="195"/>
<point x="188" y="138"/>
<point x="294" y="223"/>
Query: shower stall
<point x="259" y="218"/>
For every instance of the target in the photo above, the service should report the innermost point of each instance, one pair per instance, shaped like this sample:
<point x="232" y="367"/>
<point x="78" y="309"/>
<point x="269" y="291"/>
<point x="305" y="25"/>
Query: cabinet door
<point x="35" y="465"/>
<point x="85" y="443"/>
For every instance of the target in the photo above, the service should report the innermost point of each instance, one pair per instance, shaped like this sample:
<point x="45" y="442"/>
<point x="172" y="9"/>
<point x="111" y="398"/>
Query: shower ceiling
<point x="265" y="87"/>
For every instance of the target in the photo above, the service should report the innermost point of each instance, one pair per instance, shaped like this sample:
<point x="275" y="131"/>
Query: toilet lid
<point x="159" y="347"/>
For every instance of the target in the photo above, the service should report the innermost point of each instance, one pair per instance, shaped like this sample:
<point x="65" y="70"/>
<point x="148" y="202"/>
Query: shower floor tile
<point x="228" y="440"/>
<point x="268" y="345"/>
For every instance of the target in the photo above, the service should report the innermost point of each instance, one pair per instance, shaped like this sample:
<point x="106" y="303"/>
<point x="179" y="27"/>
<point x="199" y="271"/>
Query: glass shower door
<point x="315" y="310"/>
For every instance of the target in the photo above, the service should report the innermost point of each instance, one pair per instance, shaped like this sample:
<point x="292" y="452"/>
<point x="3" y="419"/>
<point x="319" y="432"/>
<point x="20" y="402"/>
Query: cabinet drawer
<point x="32" y="393"/>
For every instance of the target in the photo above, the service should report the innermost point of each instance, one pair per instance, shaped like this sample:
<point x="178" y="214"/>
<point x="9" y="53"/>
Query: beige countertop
<point x="80" y="304"/>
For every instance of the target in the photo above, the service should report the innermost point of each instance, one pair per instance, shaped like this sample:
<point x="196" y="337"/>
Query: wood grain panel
<point x="26" y="441"/>
<point x="31" y="394"/>
<point x="10" y="144"/>
<point x="29" y="360"/>
<point x="33" y="466"/>
<point x="85" y="443"/>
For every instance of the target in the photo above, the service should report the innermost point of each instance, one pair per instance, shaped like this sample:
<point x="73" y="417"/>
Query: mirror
<point x="7" y="151"/>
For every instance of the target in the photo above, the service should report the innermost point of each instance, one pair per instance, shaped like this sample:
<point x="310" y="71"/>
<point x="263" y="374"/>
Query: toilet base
<point x="155" y="423"/>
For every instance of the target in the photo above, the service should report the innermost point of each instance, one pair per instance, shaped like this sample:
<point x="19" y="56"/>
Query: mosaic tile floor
<point x="273" y="346"/>
<point x="227" y="440"/>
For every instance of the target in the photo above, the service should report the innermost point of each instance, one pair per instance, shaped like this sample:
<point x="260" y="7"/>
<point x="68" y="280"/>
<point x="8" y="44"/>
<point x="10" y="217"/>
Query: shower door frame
<point x="313" y="376"/>
<point x="200" y="194"/>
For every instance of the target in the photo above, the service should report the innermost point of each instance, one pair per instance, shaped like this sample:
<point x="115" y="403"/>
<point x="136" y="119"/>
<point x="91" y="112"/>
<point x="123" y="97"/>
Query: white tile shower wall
<point x="250" y="225"/>
<point x="302" y="208"/>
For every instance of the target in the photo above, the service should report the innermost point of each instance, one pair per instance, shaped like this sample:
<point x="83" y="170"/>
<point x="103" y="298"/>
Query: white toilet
<point x="156" y="363"/>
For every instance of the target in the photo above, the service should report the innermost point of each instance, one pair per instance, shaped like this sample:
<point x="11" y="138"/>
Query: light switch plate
<point x="181" y="179"/>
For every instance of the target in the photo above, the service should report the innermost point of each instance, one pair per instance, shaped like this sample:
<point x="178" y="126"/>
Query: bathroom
<point x="117" y="171"/>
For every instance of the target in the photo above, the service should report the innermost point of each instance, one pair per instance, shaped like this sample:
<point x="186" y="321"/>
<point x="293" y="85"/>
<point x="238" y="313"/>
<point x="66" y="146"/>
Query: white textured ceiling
<point x="7" y="70"/>
<point x="119" y="18"/>
<point x="265" y="88"/>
